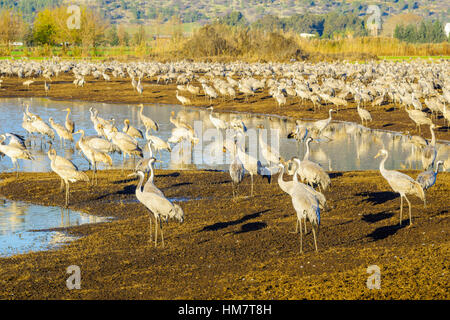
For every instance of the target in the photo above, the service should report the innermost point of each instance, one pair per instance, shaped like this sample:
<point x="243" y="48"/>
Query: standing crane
<point x="427" y="179"/>
<point x="147" y="121"/>
<point x="401" y="184"/>
<point x="307" y="207"/>
<point x="236" y="169"/>
<point x="67" y="174"/>
<point x="14" y="153"/>
<point x="62" y="132"/>
<point x="429" y="153"/>
<point x="131" y="131"/>
<point x="161" y="208"/>
<point x="320" y="125"/>
<point x="217" y="122"/>
<point x="69" y="124"/>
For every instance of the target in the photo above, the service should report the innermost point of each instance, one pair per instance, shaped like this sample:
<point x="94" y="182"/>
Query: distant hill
<point x="203" y="11"/>
<point x="133" y="11"/>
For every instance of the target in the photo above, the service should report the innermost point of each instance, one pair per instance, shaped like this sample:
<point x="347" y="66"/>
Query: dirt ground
<point x="387" y="117"/>
<point x="242" y="249"/>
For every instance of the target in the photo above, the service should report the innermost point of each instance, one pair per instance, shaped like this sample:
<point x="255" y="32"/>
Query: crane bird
<point x="288" y="187"/>
<point x="127" y="145"/>
<point x="180" y="122"/>
<point x="184" y="101"/>
<point x="217" y="122"/>
<point x="16" y="140"/>
<point x="307" y="207"/>
<point x="313" y="173"/>
<point x="14" y="153"/>
<point x="62" y="132"/>
<point x="60" y="161"/>
<point x="27" y="83"/>
<point x="139" y="87"/>
<point x="69" y="124"/>
<point x="93" y="155"/>
<point x="66" y="173"/>
<point x="146" y="166"/>
<point x="271" y="155"/>
<point x="131" y="131"/>
<point x="401" y="184"/>
<point x="299" y="133"/>
<point x="237" y="170"/>
<point x="364" y="115"/>
<point x="147" y="121"/>
<point x="251" y="165"/>
<point x="419" y="117"/>
<point x="320" y="125"/>
<point x="429" y="153"/>
<point x="161" y="208"/>
<point x="157" y="143"/>
<point x="427" y="179"/>
<point x="41" y="127"/>
<point x="46" y="87"/>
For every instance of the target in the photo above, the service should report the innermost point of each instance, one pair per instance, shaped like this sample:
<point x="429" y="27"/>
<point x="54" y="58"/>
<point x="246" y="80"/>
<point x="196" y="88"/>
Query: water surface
<point x="25" y="227"/>
<point x="343" y="146"/>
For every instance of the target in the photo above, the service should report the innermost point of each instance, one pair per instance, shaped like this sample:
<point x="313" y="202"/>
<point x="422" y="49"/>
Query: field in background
<point x="245" y="47"/>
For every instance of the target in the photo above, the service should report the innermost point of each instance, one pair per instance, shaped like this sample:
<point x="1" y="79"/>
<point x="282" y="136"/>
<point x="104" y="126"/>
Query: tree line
<point x="425" y="32"/>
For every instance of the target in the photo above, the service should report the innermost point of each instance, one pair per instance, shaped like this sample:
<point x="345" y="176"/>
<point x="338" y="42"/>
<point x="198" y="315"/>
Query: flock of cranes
<point x="328" y="85"/>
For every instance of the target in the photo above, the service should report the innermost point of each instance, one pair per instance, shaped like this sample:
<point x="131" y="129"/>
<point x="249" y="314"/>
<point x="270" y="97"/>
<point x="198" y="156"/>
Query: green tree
<point x="45" y="28"/>
<point x="112" y="37"/>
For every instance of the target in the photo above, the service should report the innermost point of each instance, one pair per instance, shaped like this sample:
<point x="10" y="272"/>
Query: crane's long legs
<point x="162" y="233"/>
<point x="150" y="216"/>
<point x="409" y="206"/>
<point x="67" y="194"/>
<point x="401" y="209"/>
<point x="301" y="234"/>
<point x="314" y="234"/>
<point x="251" y="176"/>
<point x="156" y="231"/>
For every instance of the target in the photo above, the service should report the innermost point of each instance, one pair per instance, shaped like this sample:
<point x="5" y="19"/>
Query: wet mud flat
<point x="386" y="117"/>
<point x="241" y="249"/>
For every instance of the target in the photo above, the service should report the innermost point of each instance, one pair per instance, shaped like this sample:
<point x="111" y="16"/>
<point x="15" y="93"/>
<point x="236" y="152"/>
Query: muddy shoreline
<point x="235" y="250"/>
<point x="386" y="117"/>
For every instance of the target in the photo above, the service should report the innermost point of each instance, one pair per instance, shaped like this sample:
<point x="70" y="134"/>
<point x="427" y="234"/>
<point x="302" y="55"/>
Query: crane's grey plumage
<point x="429" y="153"/>
<point x="307" y="207"/>
<point x="313" y="173"/>
<point x="68" y="173"/>
<point x="161" y="208"/>
<point x="401" y="184"/>
<point x="289" y="187"/>
<point x="14" y="153"/>
<point x="427" y="179"/>
<point x="237" y="170"/>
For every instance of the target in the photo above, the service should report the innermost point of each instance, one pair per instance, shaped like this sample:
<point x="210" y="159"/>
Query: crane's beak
<point x="224" y="150"/>
<point x="132" y="175"/>
<point x="378" y="154"/>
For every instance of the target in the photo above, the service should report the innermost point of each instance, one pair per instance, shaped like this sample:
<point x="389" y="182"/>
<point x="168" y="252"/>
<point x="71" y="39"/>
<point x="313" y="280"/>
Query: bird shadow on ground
<point x="174" y="174"/>
<point x="223" y="225"/>
<point x="387" y="231"/>
<point x="124" y="181"/>
<point x="252" y="226"/>
<point x="378" y="197"/>
<point x="375" y="217"/>
<point x="387" y="125"/>
<point x="335" y="174"/>
<point x="180" y="184"/>
<point x="128" y="190"/>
